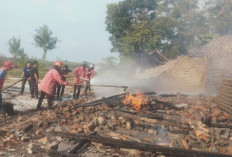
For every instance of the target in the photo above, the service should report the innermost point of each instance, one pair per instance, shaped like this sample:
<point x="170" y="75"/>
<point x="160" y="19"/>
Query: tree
<point x="173" y="27"/>
<point x="44" y="39"/>
<point x="128" y="24"/>
<point x="220" y="15"/>
<point x="190" y="26"/>
<point x="139" y="26"/>
<point x="15" y="47"/>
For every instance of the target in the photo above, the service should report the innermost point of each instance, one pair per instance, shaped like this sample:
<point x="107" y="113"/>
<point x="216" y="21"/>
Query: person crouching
<point x="48" y="84"/>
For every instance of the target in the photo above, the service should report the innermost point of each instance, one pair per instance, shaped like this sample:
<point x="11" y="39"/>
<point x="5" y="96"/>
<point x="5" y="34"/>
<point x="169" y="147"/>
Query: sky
<point x="78" y="24"/>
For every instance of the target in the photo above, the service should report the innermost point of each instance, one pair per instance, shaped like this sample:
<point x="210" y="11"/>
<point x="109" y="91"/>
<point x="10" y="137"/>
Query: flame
<point x="136" y="101"/>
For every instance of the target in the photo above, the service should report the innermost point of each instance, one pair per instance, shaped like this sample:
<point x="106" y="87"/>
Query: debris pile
<point x="162" y="125"/>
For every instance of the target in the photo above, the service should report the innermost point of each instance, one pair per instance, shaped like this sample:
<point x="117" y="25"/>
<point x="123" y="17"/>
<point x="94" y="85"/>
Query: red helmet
<point x="58" y="63"/>
<point x="8" y="64"/>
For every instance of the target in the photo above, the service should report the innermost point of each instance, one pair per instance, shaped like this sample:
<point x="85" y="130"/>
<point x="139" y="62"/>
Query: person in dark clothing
<point x="89" y="77"/>
<point x="26" y="76"/>
<point x="60" y="88"/>
<point x="34" y="78"/>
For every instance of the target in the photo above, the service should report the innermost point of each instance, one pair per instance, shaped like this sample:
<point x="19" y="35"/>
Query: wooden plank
<point x="140" y="146"/>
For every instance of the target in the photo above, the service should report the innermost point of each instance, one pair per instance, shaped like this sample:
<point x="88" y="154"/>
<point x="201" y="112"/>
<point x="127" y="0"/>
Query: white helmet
<point x="91" y="66"/>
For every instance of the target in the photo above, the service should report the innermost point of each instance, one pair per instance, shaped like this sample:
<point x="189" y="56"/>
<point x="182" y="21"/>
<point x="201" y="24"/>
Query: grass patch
<point x="17" y="73"/>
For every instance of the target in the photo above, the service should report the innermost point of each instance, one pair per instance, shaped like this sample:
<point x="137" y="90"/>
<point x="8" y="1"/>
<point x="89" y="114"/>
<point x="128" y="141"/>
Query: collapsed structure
<point x="167" y="125"/>
<point x="145" y="124"/>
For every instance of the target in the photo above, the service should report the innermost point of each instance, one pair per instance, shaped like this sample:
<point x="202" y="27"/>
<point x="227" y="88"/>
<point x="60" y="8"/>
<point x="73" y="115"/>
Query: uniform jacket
<point x="90" y="73"/>
<point x="79" y="72"/>
<point x="2" y="77"/>
<point x="50" y="80"/>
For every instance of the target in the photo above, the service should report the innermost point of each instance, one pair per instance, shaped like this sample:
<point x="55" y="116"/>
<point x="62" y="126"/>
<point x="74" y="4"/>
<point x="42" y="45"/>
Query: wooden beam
<point x="140" y="146"/>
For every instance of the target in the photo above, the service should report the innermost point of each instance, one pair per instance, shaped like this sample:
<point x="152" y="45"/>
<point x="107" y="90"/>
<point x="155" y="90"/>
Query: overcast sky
<point x="79" y="24"/>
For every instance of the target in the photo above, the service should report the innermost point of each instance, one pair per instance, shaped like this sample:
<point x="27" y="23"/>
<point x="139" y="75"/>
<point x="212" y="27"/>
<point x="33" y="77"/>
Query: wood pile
<point x="167" y="125"/>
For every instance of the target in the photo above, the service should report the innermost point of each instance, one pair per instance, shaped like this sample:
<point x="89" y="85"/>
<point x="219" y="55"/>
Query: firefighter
<point x="3" y="71"/>
<point x="79" y="76"/>
<point x="48" y="84"/>
<point x="60" y="88"/>
<point x="89" y="76"/>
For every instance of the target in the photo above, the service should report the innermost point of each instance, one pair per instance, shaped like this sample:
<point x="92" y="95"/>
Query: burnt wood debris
<point x="167" y="125"/>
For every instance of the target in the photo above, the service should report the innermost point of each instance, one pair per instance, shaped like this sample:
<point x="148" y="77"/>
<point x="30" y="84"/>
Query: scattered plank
<point x="80" y="146"/>
<point x="140" y="146"/>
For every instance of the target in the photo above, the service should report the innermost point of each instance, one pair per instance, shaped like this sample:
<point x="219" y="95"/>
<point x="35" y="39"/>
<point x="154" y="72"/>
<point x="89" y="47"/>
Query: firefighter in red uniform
<point x="3" y="71"/>
<point x="89" y="77"/>
<point x="49" y="82"/>
<point x="79" y="76"/>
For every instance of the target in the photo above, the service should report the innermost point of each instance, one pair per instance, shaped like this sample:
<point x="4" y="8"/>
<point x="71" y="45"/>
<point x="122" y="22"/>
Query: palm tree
<point x="14" y="47"/>
<point x="44" y="40"/>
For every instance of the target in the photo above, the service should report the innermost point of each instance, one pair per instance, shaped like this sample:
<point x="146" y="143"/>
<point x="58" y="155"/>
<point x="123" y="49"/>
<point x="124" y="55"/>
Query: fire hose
<point x="109" y="86"/>
<point x="12" y="84"/>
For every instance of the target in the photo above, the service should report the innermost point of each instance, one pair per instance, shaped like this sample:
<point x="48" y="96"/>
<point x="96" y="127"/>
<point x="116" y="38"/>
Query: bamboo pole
<point x="12" y="84"/>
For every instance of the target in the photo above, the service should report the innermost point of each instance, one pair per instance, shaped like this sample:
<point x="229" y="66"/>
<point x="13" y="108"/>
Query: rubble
<point x="171" y="125"/>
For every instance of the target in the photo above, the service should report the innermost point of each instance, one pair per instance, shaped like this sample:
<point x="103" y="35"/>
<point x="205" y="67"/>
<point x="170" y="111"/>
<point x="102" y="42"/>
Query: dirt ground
<point x="24" y="102"/>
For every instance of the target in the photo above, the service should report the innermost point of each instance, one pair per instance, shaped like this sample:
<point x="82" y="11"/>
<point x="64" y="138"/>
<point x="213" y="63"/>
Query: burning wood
<point x="128" y="121"/>
<point x="136" y="101"/>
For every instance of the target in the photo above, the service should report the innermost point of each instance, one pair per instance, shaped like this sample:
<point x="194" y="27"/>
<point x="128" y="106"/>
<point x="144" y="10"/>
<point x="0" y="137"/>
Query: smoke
<point x="183" y="75"/>
<point x="112" y="75"/>
<point x="218" y="56"/>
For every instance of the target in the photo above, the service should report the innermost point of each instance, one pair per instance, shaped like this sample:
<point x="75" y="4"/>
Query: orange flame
<point x="136" y="101"/>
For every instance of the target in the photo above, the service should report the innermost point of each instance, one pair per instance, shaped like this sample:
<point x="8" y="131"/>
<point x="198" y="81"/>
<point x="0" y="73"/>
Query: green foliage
<point x="189" y="23"/>
<point x="43" y="39"/>
<point x="22" y="59"/>
<point x="19" y="56"/>
<point x="15" y="47"/>
<point x="127" y="22"/>
<point x="205" y="38"/>
<point x="171" y="26"/>
<point x="220" y="15"/>
<point x="2" y="59"/>
<point x="17" y="73"/>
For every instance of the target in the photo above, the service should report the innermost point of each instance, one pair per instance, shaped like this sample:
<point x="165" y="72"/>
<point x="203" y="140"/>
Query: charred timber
<point x="147" y="93"/>
<point x="168" y="104"/>
<point x="220" y="125"/>
<point x="161" y="119"/>
<point x="99" y="102"/>
<point x="52" y="153"/>
<point x="15" y="119"/>
<point x="140" y="146"/>
<point x="154" y="116"/>
<point x="208" y="122"/>
<point x="83" y="144"/>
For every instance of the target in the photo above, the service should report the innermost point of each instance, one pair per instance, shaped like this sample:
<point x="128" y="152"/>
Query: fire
<point x="136" y="101"/>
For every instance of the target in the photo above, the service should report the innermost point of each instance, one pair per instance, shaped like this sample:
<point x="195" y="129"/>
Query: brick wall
<point x="202" y="71"/>
<point x="224" y="98"/>
<point x="185" y="75"/>
<point x="218" y="53"/>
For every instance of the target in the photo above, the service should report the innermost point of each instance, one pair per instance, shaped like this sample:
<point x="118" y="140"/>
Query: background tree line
<point x="173" y="27"/>
<point x="43" y="39"/>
